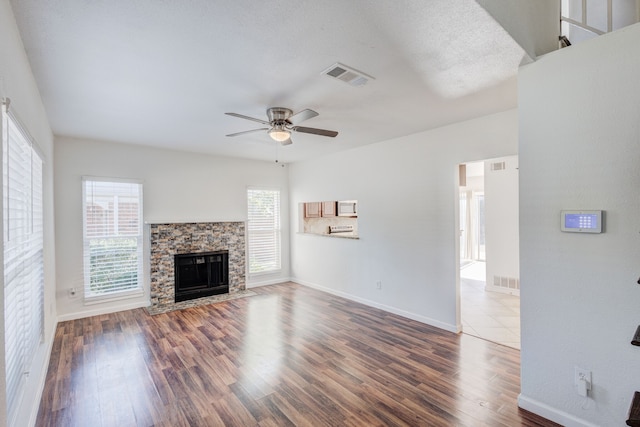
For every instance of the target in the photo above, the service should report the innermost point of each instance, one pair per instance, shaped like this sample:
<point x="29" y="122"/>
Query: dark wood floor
<point x="288" y="356"/>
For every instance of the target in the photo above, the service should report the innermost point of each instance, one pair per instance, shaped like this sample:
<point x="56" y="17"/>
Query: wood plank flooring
<point x="289" y="356"/>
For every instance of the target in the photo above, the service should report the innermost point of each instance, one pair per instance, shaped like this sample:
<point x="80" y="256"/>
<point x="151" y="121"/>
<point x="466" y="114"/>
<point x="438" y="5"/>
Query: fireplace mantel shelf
<point x="195" y="221"/>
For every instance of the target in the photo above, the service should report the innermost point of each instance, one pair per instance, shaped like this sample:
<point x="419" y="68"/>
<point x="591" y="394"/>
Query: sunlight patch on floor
<point x="493" y="316"/>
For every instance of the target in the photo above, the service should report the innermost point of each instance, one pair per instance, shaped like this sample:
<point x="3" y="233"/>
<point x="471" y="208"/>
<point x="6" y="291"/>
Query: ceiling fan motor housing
<point x="279" y="115"/>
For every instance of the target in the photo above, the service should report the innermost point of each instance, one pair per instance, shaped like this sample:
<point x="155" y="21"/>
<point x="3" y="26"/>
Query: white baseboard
<point x="101" y="310"/>
<point x="551" y="413"/>
<point x="43" y="378"/>
<point x="491" y="288"/>
<point x="267" y="282"/>
<point x="394" y="310"/>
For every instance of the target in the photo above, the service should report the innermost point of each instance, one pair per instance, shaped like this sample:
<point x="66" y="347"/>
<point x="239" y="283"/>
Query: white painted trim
<point x="43" y="377"/>
<point x="387" y="308"/>
<point x="584" y="26"/>
<point x="551" y="413"/>
<point x="116" y="296"/>
<point x="492" y="288"/>
<point x="110" y="179"/>
<point x="99" y="311"/>
<point x="273" y="281"/>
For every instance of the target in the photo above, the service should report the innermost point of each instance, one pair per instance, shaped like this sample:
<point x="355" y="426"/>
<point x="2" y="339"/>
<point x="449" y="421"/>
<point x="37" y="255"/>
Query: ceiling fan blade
<point x="247" y="118"/>
<point x="247" y="131"/>
<point x="301" y="116"/>
<point x="287" y="142"/>
<point x="315" y="131"/>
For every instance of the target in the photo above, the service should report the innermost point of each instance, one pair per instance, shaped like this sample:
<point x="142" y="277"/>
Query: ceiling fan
<point x="282" y="122"/>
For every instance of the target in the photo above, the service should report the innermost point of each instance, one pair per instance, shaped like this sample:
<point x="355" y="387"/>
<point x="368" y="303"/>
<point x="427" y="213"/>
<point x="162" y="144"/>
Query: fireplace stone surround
<point x="169" y="239"/>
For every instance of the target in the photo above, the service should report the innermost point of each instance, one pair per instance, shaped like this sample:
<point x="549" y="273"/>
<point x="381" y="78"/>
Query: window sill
<point x="335" y="235"/>
<point x="116" y="296"/>
<point x="266" y="273"/>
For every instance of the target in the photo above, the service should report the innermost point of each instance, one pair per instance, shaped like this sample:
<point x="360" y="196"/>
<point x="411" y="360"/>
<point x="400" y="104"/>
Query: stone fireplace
<point x="171" y="239"/>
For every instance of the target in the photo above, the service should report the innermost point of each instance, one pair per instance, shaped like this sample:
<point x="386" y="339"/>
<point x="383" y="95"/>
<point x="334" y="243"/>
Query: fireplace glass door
<point x="201" y="274"/>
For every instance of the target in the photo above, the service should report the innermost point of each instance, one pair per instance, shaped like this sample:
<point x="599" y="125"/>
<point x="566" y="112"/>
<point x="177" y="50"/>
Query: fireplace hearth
<point x="200" y="275"/>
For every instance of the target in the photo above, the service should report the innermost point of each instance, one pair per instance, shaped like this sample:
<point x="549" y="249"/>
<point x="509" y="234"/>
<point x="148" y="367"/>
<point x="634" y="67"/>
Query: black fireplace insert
<point x="201" y="275"/>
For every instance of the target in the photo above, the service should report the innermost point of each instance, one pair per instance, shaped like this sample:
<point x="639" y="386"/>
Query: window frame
<point x="118" y="294"/>
<point x="22" y="255"/>
<point x="276" y="229"/>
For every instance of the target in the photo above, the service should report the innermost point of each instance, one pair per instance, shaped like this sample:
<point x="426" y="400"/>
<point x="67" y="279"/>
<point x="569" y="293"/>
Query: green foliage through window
<point x="112" y="237"/>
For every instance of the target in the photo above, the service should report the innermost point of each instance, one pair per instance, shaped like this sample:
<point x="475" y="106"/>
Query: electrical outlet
<point x="378" y="285"/>
<point x="582" y="381"/>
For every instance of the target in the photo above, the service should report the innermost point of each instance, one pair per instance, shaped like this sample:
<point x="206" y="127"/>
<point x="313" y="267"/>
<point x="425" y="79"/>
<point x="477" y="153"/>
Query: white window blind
<point x="23" y="267"/>
<point x="112" y="238"/>
<point x="263" y="230"/>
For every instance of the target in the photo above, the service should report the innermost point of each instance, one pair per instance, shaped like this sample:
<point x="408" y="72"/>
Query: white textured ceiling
<point x="163" y="73"/>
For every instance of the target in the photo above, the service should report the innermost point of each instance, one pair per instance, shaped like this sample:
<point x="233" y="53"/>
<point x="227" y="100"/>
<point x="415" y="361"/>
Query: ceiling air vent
<point x="347" y="74"/>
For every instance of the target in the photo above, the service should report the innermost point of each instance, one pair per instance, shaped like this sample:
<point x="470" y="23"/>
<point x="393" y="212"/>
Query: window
<point x="264" y="230"/>
<point x="23" y="267"/>
<point x="582" y="20"/>
<point x="112" y="238"/>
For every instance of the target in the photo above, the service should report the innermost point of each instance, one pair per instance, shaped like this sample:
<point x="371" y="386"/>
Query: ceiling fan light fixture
<point x="279" y="134"/>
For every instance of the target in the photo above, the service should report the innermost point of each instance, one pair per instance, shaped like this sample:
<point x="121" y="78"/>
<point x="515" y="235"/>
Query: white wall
<point x="178" y="187"/>
<point x="17" y="83"/>
<point x="407" y="219"/>
<point x="580" y="303"/>
<point x="532" y="24"/>
<point x="501" y="222"/>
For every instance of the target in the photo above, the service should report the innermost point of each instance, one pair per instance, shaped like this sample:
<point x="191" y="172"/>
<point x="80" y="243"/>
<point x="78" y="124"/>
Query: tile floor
<point x="493" y="316"/>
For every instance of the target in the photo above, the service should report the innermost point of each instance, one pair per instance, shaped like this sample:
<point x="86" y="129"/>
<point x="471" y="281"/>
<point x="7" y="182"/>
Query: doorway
<point x="472" y="225"/>
<point x="489" y="268"/>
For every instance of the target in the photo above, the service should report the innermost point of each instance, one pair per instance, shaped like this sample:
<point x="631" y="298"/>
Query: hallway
<point x="492" y="316"/>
